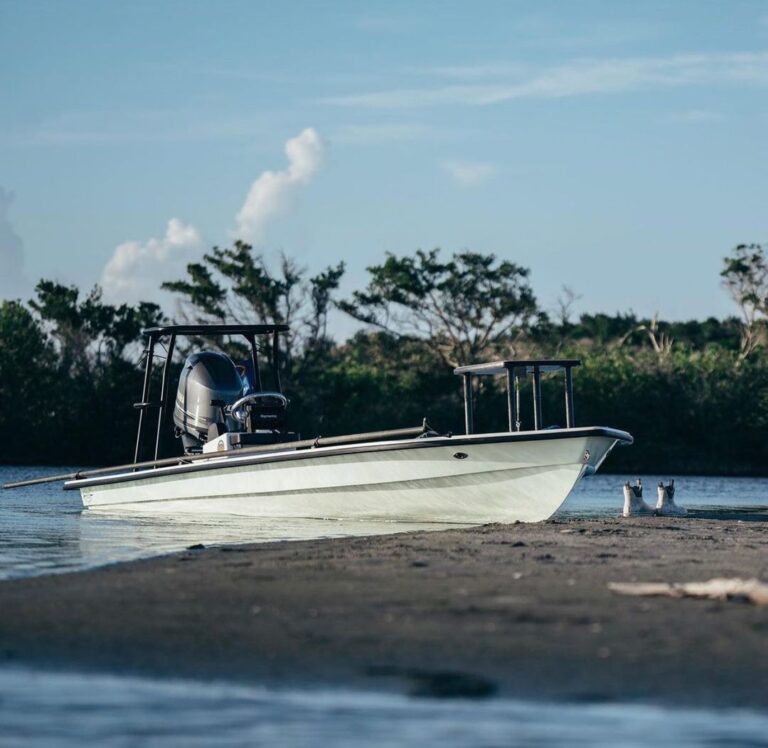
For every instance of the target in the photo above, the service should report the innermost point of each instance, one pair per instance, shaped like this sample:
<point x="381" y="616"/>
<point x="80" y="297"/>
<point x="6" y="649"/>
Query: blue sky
<point x="619" y="148"/>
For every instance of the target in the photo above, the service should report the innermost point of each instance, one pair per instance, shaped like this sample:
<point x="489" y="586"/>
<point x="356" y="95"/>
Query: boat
<point x="239" y="457"/>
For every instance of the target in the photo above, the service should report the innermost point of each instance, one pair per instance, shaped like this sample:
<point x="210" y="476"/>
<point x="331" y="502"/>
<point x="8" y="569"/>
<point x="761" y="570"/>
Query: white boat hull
<point x="469" y="479"/>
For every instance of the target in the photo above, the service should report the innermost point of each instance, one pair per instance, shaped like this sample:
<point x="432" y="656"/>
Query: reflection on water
<point x="43" y="529"/>
<point x="125" y="711"/>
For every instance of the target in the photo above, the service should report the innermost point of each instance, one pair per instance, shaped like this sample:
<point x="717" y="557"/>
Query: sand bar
<point x="521" y="610"/>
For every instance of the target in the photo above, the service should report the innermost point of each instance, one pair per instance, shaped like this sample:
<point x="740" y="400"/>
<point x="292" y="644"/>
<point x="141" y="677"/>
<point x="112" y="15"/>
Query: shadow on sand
<point x="752" y="514"/>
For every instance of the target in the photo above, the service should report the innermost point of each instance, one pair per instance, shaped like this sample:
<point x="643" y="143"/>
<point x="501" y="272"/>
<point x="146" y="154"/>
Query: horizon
<point x="621" y="148"/>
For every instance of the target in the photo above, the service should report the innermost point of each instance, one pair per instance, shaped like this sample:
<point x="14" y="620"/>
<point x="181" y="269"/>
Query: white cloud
<point x="12" y="281"/>
<point x="469" y="173"/>
<point x="271" y="193"/>
<point x="577" y="78"/>
<point x="136" y="269"/>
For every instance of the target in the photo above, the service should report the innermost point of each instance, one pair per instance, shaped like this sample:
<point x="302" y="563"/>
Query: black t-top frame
<point x="155" y="334"/>
<point x="513" y="370"/>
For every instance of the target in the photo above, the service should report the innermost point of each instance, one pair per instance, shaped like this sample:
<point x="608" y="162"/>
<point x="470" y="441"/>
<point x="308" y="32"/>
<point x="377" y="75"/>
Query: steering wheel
<point x="237" y="409"/>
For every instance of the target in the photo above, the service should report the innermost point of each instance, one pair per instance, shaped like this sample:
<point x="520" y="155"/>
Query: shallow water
<point x="43" y="529"/>
<point x="117" y="711"/>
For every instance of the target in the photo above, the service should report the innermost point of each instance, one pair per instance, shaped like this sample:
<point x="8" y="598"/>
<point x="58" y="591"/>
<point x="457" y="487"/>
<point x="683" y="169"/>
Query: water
<point x="125" y="711"/>
<point x="43" y="530"/>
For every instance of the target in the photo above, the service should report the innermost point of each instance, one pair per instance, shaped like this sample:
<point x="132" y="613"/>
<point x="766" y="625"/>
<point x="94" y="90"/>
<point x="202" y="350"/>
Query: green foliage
<point x="236" y="284"/>
<point x="697" y="411"/>
<point x="27" y="373"/>
<point x="201" y="292"/>
<point x="465" y="309"/>
<point x="694" y="398"/>
<point x="375" y="381"/>
<point x="87" y="330"/>
<point x="68" y="366"/>
<point x="745" y="277"/>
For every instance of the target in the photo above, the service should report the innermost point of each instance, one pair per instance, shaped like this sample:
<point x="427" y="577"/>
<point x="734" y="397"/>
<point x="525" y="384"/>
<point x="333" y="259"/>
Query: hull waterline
<point x="525" y="476"/>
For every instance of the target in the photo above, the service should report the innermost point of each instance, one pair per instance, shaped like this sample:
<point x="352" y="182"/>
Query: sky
<point x="616" y="148"/>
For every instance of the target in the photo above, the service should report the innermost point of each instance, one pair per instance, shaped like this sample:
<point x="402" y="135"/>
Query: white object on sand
<point x="720" y="588"/>
<point x="666" y="506"/>
<point x="634" y="506"/>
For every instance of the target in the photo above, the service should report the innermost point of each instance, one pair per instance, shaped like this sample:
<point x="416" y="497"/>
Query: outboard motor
<point x="209" y="383"/>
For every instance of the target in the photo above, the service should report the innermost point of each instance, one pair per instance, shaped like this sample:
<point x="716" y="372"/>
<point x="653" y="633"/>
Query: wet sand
<point x="520" y="610"/>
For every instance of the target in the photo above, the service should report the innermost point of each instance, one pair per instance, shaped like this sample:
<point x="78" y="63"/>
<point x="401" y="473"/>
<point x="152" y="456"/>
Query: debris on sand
<point x="721" y="588"/>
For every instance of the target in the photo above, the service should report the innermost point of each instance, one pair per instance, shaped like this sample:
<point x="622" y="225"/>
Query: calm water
<point x="43" y="530"/>
<point x="112" y="711"/>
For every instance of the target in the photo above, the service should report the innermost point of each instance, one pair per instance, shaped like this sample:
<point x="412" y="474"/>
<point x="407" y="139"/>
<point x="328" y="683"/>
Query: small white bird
<point x="666" y="506"/>
<point x="634" y="506"/>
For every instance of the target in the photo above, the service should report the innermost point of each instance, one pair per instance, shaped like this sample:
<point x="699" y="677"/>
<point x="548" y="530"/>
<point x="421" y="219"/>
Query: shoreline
<point x="514" y="610"/>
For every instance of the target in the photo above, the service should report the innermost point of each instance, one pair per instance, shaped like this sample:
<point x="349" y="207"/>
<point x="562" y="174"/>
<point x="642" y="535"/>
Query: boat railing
<point x="514" y="370"/>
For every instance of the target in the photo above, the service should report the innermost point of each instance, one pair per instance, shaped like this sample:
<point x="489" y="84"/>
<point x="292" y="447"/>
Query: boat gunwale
<point x="219" y="461"/>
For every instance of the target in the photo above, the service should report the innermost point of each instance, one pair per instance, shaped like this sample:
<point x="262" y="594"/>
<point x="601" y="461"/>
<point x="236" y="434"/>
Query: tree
<point x="745" y="277"/>
<point x="27" y="384"/>
<point x="94" y="373"/>
<point x="87" y="331"/>
<point x="565" y="302"/>
<point x="465" y="308"/>
<point x="236" y="284"/>
<point x="660" y="340"/>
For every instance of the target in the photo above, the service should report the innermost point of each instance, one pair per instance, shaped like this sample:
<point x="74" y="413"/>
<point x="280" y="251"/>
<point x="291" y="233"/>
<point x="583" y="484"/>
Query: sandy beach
<point x="521" y="610"/>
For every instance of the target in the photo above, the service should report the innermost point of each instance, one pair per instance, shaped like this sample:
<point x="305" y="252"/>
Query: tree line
<point x="694" y="394"/>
